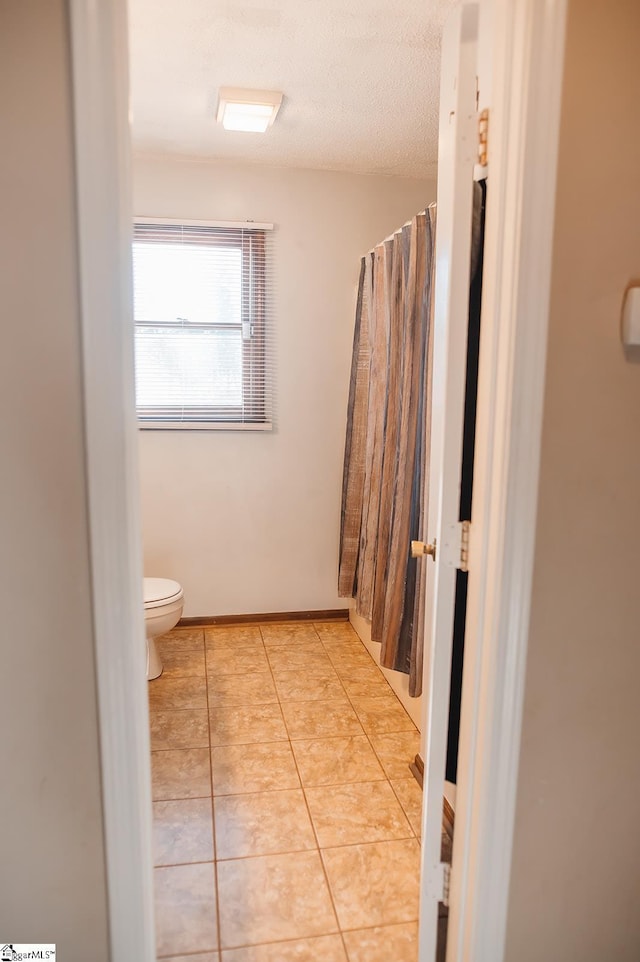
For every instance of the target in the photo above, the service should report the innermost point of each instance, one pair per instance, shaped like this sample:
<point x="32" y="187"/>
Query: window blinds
<point x="202" y="312"/>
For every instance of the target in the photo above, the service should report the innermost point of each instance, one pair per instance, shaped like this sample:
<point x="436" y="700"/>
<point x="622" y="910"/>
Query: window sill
<point x="202" y="426"/>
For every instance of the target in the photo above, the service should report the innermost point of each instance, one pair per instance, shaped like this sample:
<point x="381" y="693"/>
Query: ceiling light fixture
<point x="251" y="110"/>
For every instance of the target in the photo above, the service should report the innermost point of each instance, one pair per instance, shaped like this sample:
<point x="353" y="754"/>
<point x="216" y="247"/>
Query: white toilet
<point x="163" y="604"/>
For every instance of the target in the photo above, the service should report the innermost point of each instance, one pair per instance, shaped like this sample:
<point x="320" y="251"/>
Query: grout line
<point x="208" y="861"/>
<point x="261" y="791"/>
<point x="315" y="834"/>
<point x="213" y="809"/>
<point x="317" y="848"/>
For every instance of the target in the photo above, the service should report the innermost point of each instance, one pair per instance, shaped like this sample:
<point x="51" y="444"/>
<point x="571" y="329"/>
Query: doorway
<point x="103" y="673"/>
<point x="209" y="494"/>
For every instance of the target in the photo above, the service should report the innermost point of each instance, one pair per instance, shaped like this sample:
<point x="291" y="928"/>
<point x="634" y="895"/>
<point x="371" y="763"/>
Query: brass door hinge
<point x="483" y="137"/>
<point x="464" y="546"/>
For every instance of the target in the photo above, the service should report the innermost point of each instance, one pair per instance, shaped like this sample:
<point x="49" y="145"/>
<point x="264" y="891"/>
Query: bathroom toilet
<point x="163" y="604"/>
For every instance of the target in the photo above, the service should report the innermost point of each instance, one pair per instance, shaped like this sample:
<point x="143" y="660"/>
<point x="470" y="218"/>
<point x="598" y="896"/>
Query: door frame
<point x="524" y="42"/>
<point x="100" y="94"/>
<point x="525" y="39"/>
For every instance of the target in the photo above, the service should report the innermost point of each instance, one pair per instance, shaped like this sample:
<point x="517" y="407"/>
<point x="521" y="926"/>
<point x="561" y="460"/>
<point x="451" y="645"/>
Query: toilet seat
<point x="163" y="605"/>
<point x="159" y="592"/>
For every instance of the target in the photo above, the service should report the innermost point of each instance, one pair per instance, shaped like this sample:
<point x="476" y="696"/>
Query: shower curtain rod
<point x="397" y="231"/>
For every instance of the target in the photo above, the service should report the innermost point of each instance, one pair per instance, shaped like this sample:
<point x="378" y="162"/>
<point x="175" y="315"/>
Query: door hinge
<point x="465" y="527"/>
<point x="438" y="882"/>
<point x="483" y="137"/>
<point x="454" y="548"/>
<point x="446" y="883"/>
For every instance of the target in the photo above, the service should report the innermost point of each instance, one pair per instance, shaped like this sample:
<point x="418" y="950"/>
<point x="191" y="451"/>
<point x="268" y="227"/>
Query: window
<point x="201" y="306"/>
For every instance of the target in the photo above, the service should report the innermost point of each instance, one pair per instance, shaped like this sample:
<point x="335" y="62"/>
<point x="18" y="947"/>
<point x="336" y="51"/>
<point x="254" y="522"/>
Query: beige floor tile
<point x="179" y="729"/>
<point x="289" y="634"/>
<point x="324" y="948"/>
<point x="345" y="658"/>
<point x="384" y="943"/>
<point x="376" y="883"/>
<point x="299" y="686"/>
<point x="410" y="796"/>
<point x="384" y="714"/>
<point x="302" y="658"/>
<point x="366" y="682"/>
<point x="246" y="724"/>
<point x="181" y="774"/>
<point x="396" y="750"/>
<point x="335" y="631"/>
<point x="315" y="719"/>
<point x="185" y="909"/>
<point x="240" y="769"/>
<point x="181" y="662"/>
<point x="182" y="831"/>
<point x="254" y="688"/>
<point x="336" y="761"/>
<point x="233" y="636"/>
<point x="273" y="898"/>
<point x="184" y="639"/>
<point x="167" y="693"/>
<point x="236" y="661"/>
<point x="362" y="812"/>
<point x="263" y="823"/>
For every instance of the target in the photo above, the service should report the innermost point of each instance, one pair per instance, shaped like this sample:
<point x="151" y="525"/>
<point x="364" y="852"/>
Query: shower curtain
<point x="387" y="444"/>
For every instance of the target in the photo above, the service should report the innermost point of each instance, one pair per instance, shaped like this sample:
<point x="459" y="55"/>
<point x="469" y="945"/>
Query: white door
<point x="457" y="150"/>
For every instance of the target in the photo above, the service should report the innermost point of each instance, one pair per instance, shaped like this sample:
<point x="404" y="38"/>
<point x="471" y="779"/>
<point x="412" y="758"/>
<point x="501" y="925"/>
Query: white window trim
<point x="190" y="222"/>
<point x="206" y="426"/>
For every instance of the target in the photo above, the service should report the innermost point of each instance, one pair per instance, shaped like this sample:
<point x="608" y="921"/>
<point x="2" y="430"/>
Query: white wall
<point x="576" y="865"/>
<point x="249" y="522"/>
<point x="52" y="871"/>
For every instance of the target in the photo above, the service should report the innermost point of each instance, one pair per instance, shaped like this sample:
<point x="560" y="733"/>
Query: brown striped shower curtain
<point x="387" y="445"/>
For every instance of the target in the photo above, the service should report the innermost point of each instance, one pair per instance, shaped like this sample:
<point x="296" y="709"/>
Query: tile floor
<point x="286" y="820"/>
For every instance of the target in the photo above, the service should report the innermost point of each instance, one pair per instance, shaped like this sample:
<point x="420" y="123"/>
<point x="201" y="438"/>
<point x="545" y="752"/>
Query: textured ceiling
<point x="360" y="80"/>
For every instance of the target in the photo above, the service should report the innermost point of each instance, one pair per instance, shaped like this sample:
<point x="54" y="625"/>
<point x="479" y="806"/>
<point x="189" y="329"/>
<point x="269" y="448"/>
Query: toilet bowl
<point x="163" y="604"/>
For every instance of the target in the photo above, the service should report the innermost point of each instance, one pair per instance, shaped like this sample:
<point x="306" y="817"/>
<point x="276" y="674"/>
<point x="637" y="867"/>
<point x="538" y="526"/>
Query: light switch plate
<point x="631" y="318"/>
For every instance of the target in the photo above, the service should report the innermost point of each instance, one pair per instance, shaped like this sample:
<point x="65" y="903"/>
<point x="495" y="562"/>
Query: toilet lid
<point x="159" y="591"/>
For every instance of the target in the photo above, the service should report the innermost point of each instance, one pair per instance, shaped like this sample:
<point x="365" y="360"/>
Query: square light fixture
<point x="251" y="110"/>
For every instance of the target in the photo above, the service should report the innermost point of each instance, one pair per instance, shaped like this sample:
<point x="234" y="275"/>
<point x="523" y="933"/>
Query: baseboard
<point x="416" y="767"/>
<point x="333" y="614"/>
<point x="448" y="815"/>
